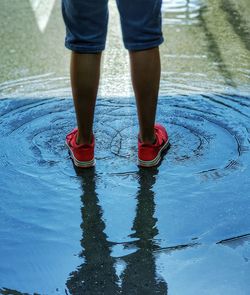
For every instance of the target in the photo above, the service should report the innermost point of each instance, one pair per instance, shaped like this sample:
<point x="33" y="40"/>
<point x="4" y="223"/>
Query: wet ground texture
<point x="182" y="227"/>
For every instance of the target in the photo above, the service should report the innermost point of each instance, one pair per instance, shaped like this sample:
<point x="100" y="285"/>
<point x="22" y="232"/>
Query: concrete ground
<point x="206" y="45"/>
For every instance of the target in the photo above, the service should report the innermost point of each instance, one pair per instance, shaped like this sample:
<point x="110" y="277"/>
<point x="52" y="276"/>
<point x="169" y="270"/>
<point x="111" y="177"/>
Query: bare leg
<point x="85" y="75"/>
<point x="145" y="73"/>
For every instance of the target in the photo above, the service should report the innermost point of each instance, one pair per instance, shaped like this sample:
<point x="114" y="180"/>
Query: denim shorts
<point x="87" y="23"/>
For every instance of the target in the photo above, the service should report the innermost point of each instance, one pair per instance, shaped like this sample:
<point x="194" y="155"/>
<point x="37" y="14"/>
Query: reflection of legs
<point x="96" y="275"/>
<point x="145" y="73"/>
<point x="140" y="275"/>
<point x="85" y="74"/>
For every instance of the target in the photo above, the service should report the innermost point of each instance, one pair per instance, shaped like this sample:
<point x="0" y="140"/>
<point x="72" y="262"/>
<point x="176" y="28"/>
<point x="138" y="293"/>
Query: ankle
<point x="84" y="140"/>
<point x="148" y="140"/>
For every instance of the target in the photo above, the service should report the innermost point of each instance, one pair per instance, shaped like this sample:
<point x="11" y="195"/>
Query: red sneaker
<point x="82" y="154"/>
<point x="150" y="154"/>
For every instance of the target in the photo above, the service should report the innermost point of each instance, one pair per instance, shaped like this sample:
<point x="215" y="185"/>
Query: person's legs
<point x="86" y="30"/>
<point x="142" y="34"/>
<point x="85" y="74"/>
<point x="141" y="23"/>
<point x="145" y="73"/>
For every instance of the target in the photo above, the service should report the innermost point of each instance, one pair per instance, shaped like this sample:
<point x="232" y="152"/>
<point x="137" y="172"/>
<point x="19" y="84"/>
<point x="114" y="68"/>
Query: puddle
<point x="153" y="214"/>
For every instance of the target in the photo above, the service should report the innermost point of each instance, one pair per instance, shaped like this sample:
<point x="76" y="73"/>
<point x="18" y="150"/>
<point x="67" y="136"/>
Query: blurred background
<point x="206" y="48"/>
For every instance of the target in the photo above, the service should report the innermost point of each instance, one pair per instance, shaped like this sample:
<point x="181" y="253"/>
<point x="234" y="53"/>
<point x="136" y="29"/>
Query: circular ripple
<point x="208" y="135"/>
<point x="39" y="86"/>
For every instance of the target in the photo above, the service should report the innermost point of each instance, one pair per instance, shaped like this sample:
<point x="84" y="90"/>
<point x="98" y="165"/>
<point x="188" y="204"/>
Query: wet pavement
<point x="180" y="228"/>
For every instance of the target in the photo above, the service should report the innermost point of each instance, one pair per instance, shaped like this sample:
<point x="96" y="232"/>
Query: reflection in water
<point x="97" y="275"/>
<point x="140" y="275"/>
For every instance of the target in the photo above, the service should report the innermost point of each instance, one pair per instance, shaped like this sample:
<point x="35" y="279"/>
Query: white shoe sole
<point x="81" y="164"/>
<point x="156" y="160"/>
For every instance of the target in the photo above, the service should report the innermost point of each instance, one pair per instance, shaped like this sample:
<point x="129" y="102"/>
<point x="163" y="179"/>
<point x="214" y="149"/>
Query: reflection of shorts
<point x="87" y="22"/>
